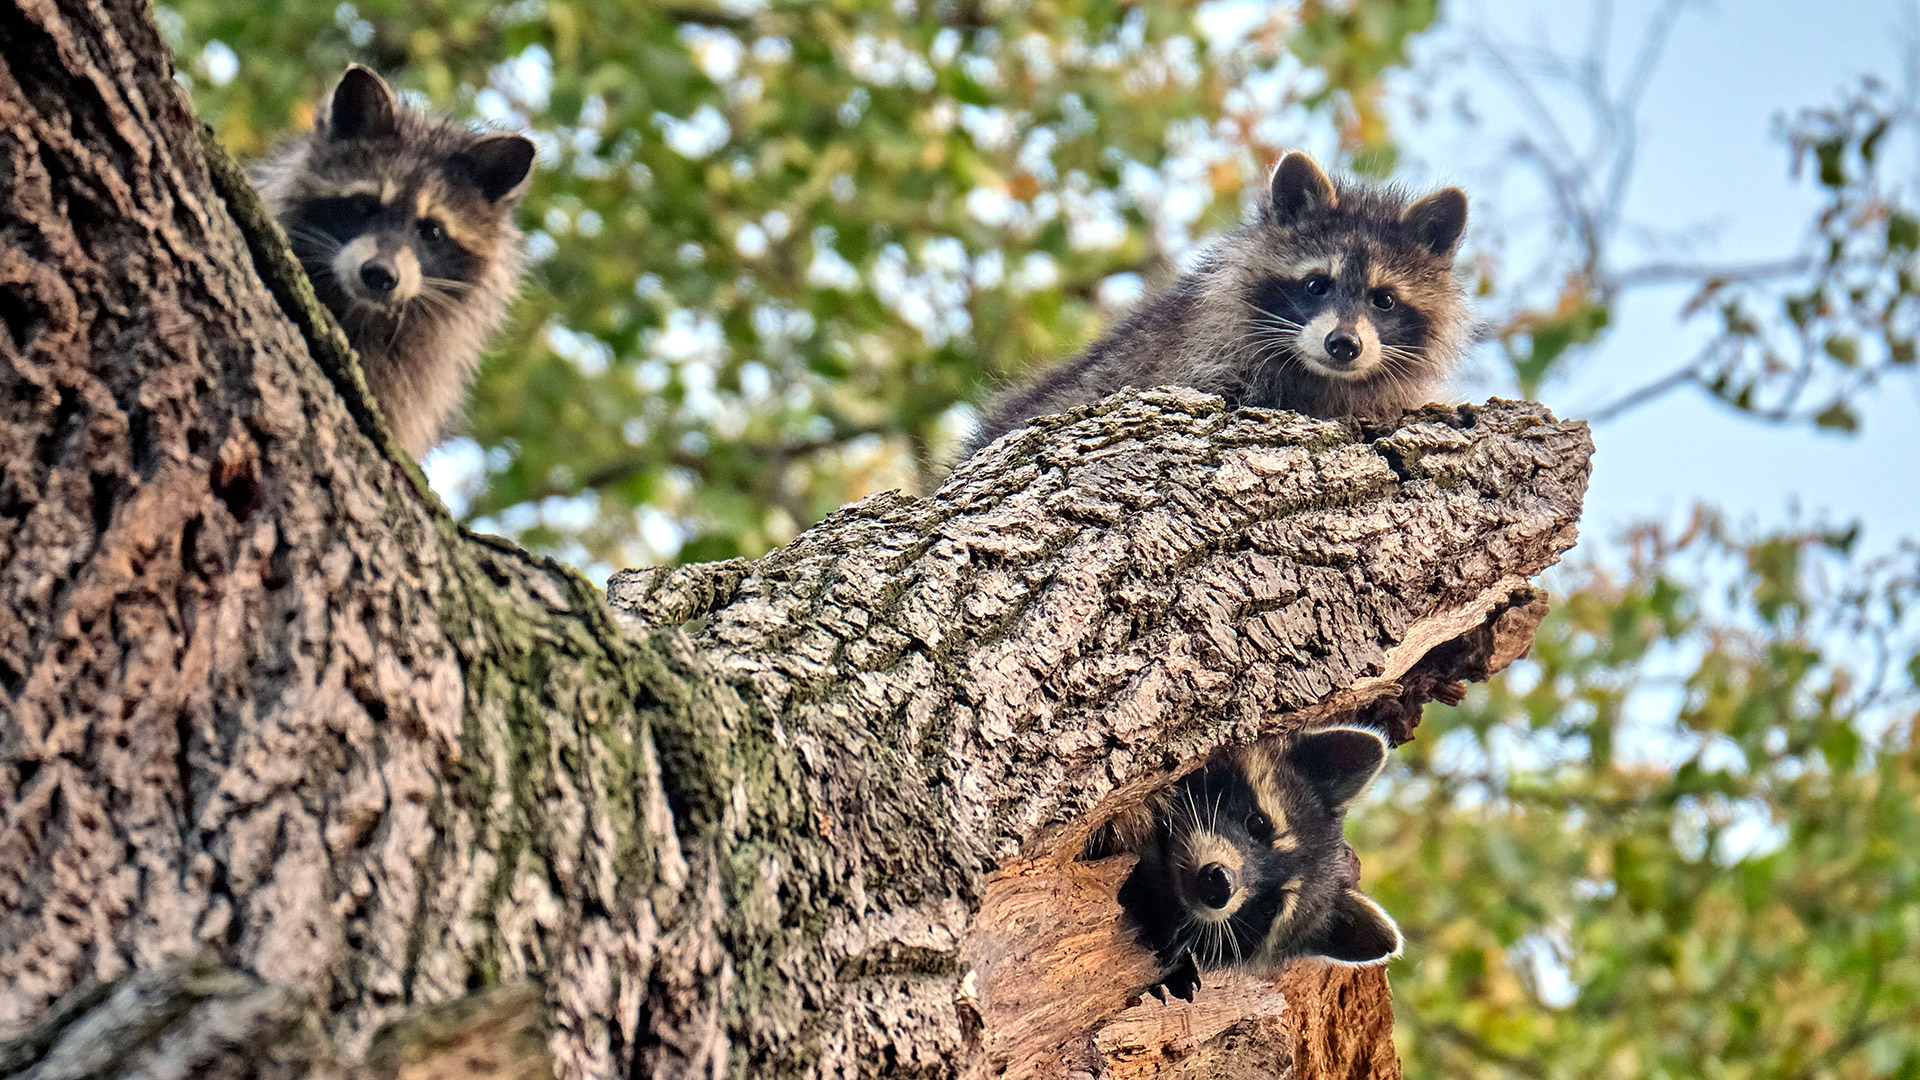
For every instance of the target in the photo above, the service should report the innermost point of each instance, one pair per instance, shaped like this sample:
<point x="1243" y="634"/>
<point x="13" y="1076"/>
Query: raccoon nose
<point x="378" y="278"/>
<point x="1216" y="885"/>
<point x="1343" y="346"/>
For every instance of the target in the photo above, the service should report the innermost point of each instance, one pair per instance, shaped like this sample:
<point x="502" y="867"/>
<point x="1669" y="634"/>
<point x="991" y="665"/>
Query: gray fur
<point x="1209" y="329"/>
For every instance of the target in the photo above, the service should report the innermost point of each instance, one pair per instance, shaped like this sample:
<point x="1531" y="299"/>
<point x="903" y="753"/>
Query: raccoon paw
<point x="1180" y="980"/>
<point x="1451" y="692"/>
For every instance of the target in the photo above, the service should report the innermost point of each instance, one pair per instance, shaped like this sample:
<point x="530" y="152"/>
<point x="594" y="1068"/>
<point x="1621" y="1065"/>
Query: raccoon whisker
<point x="1273" y="322"/>
<point x="1261" y="316"/>
<point x="437" y="302"/>
<point x="451" y="285"/>
<point x="1403" y="370"/>
<point x="319" y="270"/>
<point x="1289" y="329"/>
<point x="399" y="323"/>
<point x="1388" y="377"/>
<point x="1268" y="358"/>
<point x="1261" y="356"/>
<point x="1273" y="346"/>
<point x="1277" y="350"/>
<point x="1247" y="345"/>
<point x="1414" y="369"/>
<point x="1262" y="332"/>
<point x="1263" y="311"/>
<point x="426" y="300"/>
<point x="325" y="241"/>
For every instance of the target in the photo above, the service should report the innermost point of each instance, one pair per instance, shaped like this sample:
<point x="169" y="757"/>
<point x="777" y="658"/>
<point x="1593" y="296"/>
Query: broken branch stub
<point x="1098" y="600"/>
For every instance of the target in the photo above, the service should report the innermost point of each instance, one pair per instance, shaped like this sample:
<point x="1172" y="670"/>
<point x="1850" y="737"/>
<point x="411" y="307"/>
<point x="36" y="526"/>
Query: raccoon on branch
<point x="1336" y="299"/>
<point x="1244" y="862"/>
<point x="405" y="225"/>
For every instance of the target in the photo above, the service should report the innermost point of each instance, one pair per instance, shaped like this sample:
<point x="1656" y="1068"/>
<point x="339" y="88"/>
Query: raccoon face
<point x="1362" y="275"/>
<point x="395" y="211"/>
<point x="1248" y="865"/>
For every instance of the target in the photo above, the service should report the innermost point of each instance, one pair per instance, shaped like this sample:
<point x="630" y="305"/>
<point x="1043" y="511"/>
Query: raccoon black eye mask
<point x="1246" y="865"/>
<point x="1335" y="299"/>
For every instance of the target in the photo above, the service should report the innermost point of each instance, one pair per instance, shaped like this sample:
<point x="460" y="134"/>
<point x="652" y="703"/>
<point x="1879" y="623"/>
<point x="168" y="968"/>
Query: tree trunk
<point x="294" y="769"/>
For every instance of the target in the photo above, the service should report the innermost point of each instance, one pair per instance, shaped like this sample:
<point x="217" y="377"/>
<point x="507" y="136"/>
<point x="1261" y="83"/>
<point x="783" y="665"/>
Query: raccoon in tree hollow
<point x="405" y="224"/>
<point x="1245" y="863"/>
<point x="1334" y="300"/>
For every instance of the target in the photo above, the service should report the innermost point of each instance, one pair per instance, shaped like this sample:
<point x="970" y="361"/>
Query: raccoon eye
<point x="1269" y="908"/>
<point x="431" y="230"/>
<point x="1383" y="299"/>
<point x="1259" y="826"/>
<point x="1319" y="285"/>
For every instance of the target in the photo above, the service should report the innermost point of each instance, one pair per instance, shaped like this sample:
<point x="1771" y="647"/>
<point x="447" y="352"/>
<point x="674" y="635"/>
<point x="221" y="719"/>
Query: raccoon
<point x="405" y="225"/>
<point x="1334" y="300"/>
<point x="1246" y="864"/>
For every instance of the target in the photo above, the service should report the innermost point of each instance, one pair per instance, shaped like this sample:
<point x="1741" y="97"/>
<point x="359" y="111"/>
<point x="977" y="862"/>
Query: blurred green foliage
<point x="1681" y="840"/>
<point x="777" y="246"/>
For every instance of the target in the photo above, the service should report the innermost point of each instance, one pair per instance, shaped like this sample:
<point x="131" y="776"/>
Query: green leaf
<point x="1903" y="232"/>
<point x="1838" y="416"/>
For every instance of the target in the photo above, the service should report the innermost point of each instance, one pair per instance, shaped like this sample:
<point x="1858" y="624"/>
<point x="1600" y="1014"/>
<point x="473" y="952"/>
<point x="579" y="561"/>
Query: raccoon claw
<point x="1451" y="692"/>
<point x="1180" y="981"/>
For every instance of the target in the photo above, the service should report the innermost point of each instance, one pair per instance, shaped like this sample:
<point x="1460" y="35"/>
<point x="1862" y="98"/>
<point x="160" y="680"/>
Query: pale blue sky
<point x="1708" y="158"/>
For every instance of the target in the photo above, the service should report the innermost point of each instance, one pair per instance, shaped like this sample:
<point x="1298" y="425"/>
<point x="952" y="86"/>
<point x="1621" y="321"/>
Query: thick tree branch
<point x="974" y="681"/>
<point x="1115" y="592"/>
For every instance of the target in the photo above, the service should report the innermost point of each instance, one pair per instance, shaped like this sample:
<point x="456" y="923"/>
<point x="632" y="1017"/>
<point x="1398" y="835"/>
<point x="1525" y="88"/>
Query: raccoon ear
<point x="1338" y="762"/>
<point x="1299" y="188"/>
<point x="497" y="164"/>
<point x="1358" y="931"/>
<point x="1438" y="220"/>
<point x="362" y="106"/>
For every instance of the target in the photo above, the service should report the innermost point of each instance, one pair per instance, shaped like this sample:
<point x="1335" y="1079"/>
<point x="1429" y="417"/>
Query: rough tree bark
<point x="289" y="762"/>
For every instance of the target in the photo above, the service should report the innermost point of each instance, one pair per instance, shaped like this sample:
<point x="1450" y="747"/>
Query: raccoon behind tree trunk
<point x="1243" y="862"/>
<point x="405" y="225"/>
<point x="1334" y="300"/>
